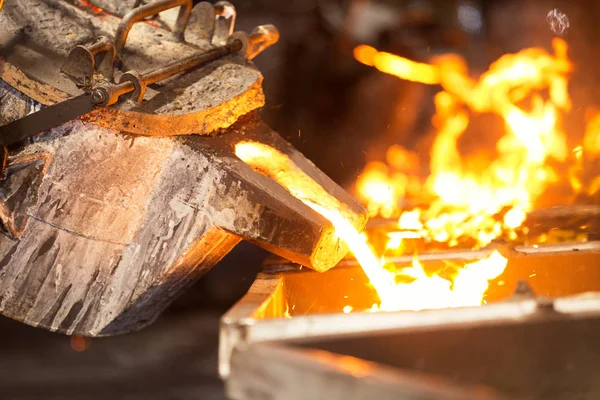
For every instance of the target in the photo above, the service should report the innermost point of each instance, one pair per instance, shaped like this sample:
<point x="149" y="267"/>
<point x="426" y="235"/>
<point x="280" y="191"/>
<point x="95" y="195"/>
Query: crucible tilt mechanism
<point x="121" y="186"/>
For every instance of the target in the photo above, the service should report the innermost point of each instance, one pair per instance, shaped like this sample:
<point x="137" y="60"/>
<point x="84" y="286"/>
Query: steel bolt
<point x="99" y="96"/>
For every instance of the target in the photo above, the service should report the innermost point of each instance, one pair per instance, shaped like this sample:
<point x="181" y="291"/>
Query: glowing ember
<point x="467" y="288"/>
<point x="470" y="193"/>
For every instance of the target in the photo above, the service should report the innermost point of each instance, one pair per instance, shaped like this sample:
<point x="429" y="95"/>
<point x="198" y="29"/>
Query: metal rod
<point x="139" y="13"/>
<point x="103" y="44"/>
<point x="191" y="62"/>
<point x="109" y="94"/>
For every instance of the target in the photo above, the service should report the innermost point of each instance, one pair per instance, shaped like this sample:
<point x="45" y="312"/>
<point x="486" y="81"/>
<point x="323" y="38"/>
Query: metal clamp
<point x="84" y="62"/>
<point x="140" y="13"/>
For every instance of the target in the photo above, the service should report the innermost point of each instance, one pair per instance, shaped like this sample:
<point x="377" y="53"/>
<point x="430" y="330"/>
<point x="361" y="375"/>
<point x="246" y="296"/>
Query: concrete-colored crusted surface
<point x="117" y="7"/>
<point x="34" y="46"/>
<point x="46" y="22"/>
<point x="226" y="80"/>
<point x="59" y="25"/>
<point x="13" y="106"/>
<point x="122" y="224"/>
<point x="113" y="227"/>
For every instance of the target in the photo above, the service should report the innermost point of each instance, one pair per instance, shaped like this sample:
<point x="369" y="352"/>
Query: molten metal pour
<point x="467" y="197"/>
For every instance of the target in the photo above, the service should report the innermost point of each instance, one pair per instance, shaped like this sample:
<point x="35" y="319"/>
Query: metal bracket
<point x="84" y="63"/>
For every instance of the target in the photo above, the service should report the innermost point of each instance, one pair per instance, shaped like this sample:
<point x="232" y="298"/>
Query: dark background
<point x="338" y="113"/>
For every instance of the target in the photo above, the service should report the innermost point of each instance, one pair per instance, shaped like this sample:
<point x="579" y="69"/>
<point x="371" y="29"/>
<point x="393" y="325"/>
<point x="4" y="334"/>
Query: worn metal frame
<point x="245" y="330"/>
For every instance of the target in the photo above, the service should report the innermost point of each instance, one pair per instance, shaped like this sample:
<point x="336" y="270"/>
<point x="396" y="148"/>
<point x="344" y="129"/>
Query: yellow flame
<point x="376" y="182"/>
<point x="468" y="287"/>
<point x="468" y="193"/>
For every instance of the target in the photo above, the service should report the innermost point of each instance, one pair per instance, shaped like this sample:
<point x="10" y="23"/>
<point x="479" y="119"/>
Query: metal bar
<point x="110" y="93"/>
<point x="281" y="265"/>
<point x="46" y="118"/>
<point x="104" y="44"/>
<point x="139" y="13"/>
<point x="101" y="96"/>
<point x="191" y="62"/>
<point x="260" y="38"/>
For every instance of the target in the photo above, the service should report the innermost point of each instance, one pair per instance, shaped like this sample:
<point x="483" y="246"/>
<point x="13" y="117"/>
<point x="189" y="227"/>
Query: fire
<point x="479" y="197"/>
<point x="469" y="194"/>
<point x="467" y="288"/>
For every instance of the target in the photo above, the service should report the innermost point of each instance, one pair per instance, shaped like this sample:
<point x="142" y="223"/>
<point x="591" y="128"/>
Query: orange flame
<point x="467" y="198"/>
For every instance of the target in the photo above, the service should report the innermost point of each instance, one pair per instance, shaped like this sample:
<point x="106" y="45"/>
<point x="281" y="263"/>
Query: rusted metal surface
<point x="107" y="229"/>
<point x="37" y="37"/>
<point x="551" y="355"/>
<point x="534" y="339"/>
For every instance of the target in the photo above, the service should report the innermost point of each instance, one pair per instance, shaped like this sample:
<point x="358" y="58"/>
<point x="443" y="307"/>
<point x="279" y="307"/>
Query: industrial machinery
<point x="120" y="186"/>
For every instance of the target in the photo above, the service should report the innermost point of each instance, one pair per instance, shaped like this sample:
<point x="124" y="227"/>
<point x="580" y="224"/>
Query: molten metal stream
<point x="470" y="283"/>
